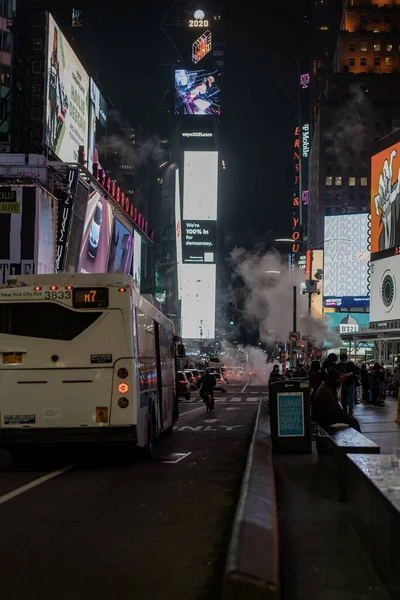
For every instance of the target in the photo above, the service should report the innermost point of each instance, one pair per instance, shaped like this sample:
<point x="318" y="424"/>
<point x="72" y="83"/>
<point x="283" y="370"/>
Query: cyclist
<point x="207" y="384"/>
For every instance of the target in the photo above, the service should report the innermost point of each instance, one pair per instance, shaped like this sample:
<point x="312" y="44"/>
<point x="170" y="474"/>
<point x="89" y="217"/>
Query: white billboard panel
<point x="198" y="301"/>
<point x="200" y="186"/>
<point x="67" y="98"/>
<point x="346" y="261"/>
<point x="178" y="232"/>
<point x="385" y="289"/>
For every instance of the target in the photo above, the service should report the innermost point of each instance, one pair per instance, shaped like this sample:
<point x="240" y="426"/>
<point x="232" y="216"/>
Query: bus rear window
<point x="45" y="320"/>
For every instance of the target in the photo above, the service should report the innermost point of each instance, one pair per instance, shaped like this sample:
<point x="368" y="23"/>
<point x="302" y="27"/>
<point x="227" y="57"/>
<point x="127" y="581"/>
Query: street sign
<point x="294" y="336"/>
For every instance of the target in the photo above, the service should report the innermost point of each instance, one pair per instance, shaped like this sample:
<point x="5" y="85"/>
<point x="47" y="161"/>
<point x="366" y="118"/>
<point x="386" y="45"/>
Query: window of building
<point x="6" y="9"/>
<point x="389" y="47"/>
<point x="388" y="61"/>
<point x="364" y="47"/>
<point x="351" y="197"/>
<point x="338" y="180"/>
<point x="328" y="211"/>
<point x="377" y="18"/>
<point x="377" y="47"/>
<point x="363" y="62"/>
<point x="376" y="30"/>
<point x="5" y="74"/>
<point x="6" y="41"/>
<point x="328" y="197"/>
<point x="352" y="62"/>
<point x="364" y="181"/>
<point x="352" y="47"/>
<point x="338" y="197"/>
<point x="338" y="211"/>
<point x="377" y="61"/>
<point x="329" y="180"/>
<point x="352" y="181"/>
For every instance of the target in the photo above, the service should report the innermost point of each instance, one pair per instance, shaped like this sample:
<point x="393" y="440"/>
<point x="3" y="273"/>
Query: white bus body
<point x="83" y="358"/>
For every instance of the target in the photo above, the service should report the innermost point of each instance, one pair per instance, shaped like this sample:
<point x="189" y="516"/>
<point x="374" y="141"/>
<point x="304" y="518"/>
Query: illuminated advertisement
<point x="47" y="233"/>
<point x="97" y="123"/>
<point x="385" y="282"/>
<point x="64" y="220"/>
<point x="178" y="233"/>
<point x="197" y="92"/>
<point x="198" y="301"/>
<point x="121" y="249"/>
<point x="340" y="323"/>
<point x="201" y="47"/>
<point x="67" y="98"/>
<point x="199" y="240"/>
<point x="296" y="208"/>
<point x="385" y="203"/>
<point x="96" y="236"/>
<point x="315" y="262"/>
<point x="346" y="261"/>
<point x="200" y="186"/>
<point x="137" y="259"/>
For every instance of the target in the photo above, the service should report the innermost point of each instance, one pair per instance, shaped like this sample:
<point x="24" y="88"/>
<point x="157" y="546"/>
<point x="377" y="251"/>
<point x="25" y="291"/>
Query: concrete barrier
<point x="252" y="570"/>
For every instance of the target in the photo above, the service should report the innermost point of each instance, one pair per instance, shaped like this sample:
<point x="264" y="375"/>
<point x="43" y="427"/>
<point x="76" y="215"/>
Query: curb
<point x="252" y="569"/>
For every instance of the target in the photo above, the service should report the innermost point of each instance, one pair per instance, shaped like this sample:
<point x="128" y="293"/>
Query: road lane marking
<point x="35" y="483"/>
<point x="251" y="399"/>
<point x="174" y="458"/>
<point x="192" y="411"/>
<point x="244" y="389"/>
<point x="235" y="399"/>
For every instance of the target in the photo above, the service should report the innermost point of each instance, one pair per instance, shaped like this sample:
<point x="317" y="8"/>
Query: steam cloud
<point x="269" y="297"/>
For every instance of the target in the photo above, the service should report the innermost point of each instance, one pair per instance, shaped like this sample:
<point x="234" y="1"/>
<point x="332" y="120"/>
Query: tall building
<point x="7" y="10"/>
<point x="362" y="97"/>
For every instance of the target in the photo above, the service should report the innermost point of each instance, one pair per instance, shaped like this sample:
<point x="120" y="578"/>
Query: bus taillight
<point x="122" y="373"/>
<point x="123" y="387"/>
<point x="53" y="287"/>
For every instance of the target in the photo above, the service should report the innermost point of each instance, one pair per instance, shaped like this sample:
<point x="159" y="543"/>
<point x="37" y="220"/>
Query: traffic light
<point x="232" y="321"/>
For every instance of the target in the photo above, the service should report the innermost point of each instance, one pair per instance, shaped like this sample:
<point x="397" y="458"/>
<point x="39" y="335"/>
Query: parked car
<point x="183" y="385"/>
<point x="191" y="378"/>
<point x="94" y="233"/>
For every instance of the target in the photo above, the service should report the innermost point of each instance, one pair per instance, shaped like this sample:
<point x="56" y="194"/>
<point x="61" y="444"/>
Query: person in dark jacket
<point x="327" y="410"/>
<point x="275" y="375"/>
<point x="315" y="376"/>
<point x="364" y="376"/>
<point x="207" y="384"/>
<point x="328" y="364"/>
<point x="351" y="371"/>
<point x="376" y="383"/>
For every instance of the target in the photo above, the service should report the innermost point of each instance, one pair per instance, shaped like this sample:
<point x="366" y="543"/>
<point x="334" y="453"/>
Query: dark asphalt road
<point x="108" y="528"/>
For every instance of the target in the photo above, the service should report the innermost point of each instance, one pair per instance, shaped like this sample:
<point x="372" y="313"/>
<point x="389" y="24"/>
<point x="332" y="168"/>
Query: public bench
<point x="373" y="488"/>
<point x="334" y="444"/>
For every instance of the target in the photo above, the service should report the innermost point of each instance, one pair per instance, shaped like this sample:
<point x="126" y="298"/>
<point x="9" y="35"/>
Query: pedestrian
<point x="275" y="375"/>
<point x="364" y="376"/>
<point x="351" y="371"/>
<point x="376" y="384"/>
<point x="315" y="376"/>
<point x="327" y="410"/>
<point x="396" y="382"/>
<point x="328" y="364"/>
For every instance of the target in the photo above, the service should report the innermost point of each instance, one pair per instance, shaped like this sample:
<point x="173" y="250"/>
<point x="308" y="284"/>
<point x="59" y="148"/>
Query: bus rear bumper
<point x="81" y="436"/>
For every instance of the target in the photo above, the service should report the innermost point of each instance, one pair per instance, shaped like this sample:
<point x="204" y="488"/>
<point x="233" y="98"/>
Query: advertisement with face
<point x="121" y="249"/>
<point x="47" y="230"/>
<point x="385" y="202"/>
<point x="137" y="258"/>
<point x="197" y="92"/>
<point x="95" y="243"/>
<point x="346" y="261"/>
<point x="385" y="282"/>
<point x="67" y="99"/>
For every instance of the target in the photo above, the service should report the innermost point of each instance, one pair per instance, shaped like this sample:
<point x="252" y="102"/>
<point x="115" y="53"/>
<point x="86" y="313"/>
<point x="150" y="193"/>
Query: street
<point x="106" y="527"/>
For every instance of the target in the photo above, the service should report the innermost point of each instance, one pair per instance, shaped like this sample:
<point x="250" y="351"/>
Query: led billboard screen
<point x="199" y="241"/>
<point x="96" y="236"/>
<point x="67" y="98"/>
<point x="385" y="287"/>
<point x="346" y="261"/>
<point x="198" y="301"/>
<point x="121" y="249"/>
<point x="197" y="92"/>
<point x="178" y="232"/>
<point x="385" y="202"/>
<point x="200" y="186"/>
<point x="137" y="259"/>
<point x="97" y="124"/>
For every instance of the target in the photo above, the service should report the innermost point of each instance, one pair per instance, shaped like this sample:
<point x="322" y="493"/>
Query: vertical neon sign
<point x="296" y="190"/>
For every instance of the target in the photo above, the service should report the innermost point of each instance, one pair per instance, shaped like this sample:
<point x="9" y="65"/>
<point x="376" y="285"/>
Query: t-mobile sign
<point x="199" y="240"/>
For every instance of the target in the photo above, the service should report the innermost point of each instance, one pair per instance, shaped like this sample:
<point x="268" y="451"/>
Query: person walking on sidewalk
<point x="376" y="384"/>
<point x="351" y="371"/>
<point x="364" y="376"/>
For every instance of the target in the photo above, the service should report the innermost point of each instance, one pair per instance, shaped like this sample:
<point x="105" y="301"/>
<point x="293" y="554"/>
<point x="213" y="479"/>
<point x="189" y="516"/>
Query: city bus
<point x="84" y="358"/>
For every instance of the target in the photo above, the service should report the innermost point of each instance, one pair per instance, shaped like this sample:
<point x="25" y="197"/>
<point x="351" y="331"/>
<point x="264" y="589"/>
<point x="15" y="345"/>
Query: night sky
<point x="122" y="43"/>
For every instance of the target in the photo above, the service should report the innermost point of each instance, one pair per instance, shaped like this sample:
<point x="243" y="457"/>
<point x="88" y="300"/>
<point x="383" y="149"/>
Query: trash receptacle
<point x="289" y="407"/>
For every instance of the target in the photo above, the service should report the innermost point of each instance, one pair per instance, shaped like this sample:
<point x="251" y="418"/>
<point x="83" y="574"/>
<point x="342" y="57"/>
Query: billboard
<point x="97" y="124"/>
<point x="178" y="232"/>
<point x="95" y="241"/>
<point x="121" y="249"/>
<point x="46" y="249"/>
<point x="197" y="92"/>
<point x="340" y="323"/>
<point x="67" y="97"/>
<point x="200" y="186"/>
<point x="315" y="262"/>
<point x="385" y="202"/>
<point x="64" y="219"/>
<point x="199" y="240"/>
<point x="385" y="287"/>
<point x="346" y="261"/>
<point x="137" y="259"/>
<point x="198" y="301"/>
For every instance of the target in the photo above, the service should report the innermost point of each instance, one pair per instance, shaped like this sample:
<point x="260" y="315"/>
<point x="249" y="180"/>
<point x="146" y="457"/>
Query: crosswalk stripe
<point x="252" y="399"/>
<point x="235" y="399"/>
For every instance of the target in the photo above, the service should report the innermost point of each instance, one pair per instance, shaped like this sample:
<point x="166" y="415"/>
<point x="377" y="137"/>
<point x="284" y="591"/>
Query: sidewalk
<point x="379" y="425"/>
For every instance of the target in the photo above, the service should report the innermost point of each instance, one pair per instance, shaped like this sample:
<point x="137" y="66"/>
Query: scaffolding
<point x="386" y="344"/>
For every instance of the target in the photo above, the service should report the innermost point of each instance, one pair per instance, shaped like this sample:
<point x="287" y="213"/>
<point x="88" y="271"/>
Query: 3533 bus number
<point x="57" y="295"/>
